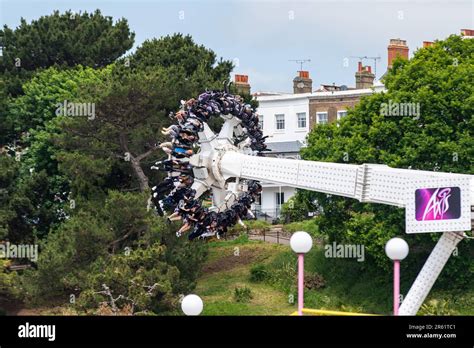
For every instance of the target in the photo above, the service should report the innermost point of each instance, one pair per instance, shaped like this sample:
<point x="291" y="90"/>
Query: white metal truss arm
<point x="373" y="183"/>
<point x="430" y="272"/>
<point x="331" y="178"/>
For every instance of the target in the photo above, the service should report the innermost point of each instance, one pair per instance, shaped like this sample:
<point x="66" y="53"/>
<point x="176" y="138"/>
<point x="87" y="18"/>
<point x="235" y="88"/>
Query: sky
<point x="262" y="37"/>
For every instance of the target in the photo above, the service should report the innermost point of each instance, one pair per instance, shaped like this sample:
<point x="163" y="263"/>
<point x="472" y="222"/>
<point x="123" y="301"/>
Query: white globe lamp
<point x="301" y="242"/>
<point x="396" y="249"/>
<point x="192" y="305"/>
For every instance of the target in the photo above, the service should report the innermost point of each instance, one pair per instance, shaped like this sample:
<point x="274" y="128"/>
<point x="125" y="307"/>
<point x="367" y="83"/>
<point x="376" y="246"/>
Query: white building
<point x="287" y="119"/>
<point x="284" y="118"/>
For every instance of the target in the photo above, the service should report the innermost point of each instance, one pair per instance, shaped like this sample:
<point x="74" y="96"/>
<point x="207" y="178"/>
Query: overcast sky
<point x="262" y="36"/>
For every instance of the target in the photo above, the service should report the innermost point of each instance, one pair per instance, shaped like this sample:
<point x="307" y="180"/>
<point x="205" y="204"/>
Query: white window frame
<point x="276" y="123"/>
<point x="321" y="113"/>
<point x="339" y="114"/>
<point x="298" y="120"/>
<point x="278" y="199"/>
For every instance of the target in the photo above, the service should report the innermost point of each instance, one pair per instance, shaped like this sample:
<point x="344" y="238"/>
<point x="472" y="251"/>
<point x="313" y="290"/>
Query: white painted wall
<point x="268" y="201"/>
<point x="289" y="105"/>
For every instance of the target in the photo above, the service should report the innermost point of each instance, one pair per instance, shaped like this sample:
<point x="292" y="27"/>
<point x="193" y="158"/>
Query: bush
<point x="295" y="209"/>
<point x="8" y="281"/>
<point x="435" y="307"/>
<point x="311" y="226"/>
<point x="251" y="225"/>
<point x="141" y="281"/>
<point x="258" y="273"/>
<point x="66" y="256"/>
<point x="314" y="281"/>
<point x="243" y="294"/>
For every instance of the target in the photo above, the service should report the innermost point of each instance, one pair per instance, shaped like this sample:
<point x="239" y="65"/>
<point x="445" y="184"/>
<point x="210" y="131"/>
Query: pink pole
<point x="396" y="286"/>
<point x="300" y="283"/>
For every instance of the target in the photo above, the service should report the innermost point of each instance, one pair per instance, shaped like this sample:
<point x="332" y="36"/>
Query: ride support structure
<point x="371" y="183"/>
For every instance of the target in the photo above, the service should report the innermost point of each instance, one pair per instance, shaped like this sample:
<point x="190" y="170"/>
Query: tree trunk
<point x="135" y="162"/>
<point x="142" y="178"/>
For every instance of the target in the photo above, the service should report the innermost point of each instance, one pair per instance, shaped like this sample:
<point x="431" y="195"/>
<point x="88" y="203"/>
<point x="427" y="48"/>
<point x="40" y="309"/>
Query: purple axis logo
<point x="439" y="203"/>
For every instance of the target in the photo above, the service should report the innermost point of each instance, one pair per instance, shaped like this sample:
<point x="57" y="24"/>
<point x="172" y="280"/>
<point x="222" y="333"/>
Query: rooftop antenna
<point x="300" y="62"/>
<point x="375" y="59"/>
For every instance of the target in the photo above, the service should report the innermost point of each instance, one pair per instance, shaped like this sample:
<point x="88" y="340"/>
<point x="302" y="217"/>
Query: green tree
<point x="196" y="63"/>
<point x="61" y="39"/>
<point x="441" y="79"/>
<point x="37" y="195"/>
<point x="69" y="38"/>
<point x="132" y="108"/>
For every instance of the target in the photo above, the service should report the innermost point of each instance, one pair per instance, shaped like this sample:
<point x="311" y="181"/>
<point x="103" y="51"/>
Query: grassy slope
<point x="228" y="267"/>
<point x="349" y="287"/>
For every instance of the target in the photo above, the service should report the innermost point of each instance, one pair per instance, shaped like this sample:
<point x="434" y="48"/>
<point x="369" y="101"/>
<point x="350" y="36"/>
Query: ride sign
<point x="438" y="205"/>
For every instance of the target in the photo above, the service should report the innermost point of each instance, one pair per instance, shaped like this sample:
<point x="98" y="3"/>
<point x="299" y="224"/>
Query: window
<point x="321" y="117"/>
<point x="260" y="121"/>
<point x="280" y="121"/>
<point x="280" y="198"/>
<point x="301" y="116"/>
<point x="341" y="114"/>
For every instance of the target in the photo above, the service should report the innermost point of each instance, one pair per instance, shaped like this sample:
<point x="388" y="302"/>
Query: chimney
<point x="242" y="84"/>
<point x="467" y="32"/>
<point x="397" y="48"/>
<point x="364" y="77"/>
<point x="302" y="83"/>
<point x="427" y="44"/>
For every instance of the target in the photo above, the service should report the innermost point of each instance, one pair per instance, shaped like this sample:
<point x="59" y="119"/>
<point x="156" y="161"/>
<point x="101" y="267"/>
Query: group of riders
<point x="175" y="194"/>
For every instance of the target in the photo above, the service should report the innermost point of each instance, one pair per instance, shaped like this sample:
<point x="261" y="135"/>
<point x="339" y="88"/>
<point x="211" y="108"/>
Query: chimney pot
<point x="242" y="84"/>
<point x="303" y="74"/>
<point x="397" y="48"/>
<point x="241" y="78"/>
<point x="364" y="77"/>
<point x="302" y="83"/>
<point x="427" y="43"/>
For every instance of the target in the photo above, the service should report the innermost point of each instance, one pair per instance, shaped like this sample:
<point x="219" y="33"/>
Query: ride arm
<point x="372" y="183"/>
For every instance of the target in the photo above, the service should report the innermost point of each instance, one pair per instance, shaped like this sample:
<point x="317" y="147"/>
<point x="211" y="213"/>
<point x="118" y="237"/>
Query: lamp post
<point x="192" y="305"/>
<point x="301" y="242"/>
<point x="396" y="249"/>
